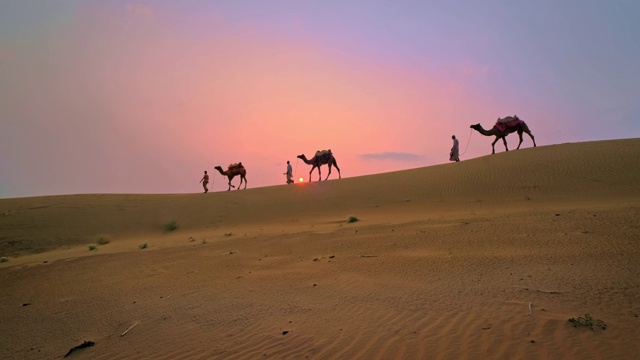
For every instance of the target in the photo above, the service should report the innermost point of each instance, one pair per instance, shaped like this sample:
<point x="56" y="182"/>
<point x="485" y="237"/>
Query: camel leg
<point x="334" y="163"/>
<point x="311" y="172"/>
<point x="493" y="145"/>
<point x="504" y="140"/>
<point x="520" y="136"/>
<point x="329" y="172"/>
<point x="242" y="178"/>
<point x="532" y="138"/>
<point x="319" y="174"/>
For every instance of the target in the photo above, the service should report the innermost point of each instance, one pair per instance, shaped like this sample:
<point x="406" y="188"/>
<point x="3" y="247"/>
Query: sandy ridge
<point x="443" y="263"/>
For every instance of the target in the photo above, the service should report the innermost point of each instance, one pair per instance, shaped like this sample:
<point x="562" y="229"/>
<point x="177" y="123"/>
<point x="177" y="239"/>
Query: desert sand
<point x="486" y="258"/>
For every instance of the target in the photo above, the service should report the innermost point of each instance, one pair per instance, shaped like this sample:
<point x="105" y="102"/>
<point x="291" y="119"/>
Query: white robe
<point x="454" y="154"/>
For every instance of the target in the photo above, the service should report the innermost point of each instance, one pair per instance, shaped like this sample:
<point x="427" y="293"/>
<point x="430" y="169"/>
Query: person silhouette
<point x="205" y="181"/>
<point x="454" y="155"/>
<point x="289" y="173"/>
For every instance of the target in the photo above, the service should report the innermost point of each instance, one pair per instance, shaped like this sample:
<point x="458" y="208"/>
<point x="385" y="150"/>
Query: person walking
<point x="289" y="173"/>
<point x="205" y="181"/>
<point x="454" y="155"/>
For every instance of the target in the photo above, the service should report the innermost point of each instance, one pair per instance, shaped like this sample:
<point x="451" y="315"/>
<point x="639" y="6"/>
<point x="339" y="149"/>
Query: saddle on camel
<point x="324" y="154"/>
<point x="508" y="122"/>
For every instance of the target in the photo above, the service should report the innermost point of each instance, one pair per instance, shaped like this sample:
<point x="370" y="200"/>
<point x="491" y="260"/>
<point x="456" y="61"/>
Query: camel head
<point x="219" y="168"/>
<point x="301" y="156"/>
<point x="475" y="127"/>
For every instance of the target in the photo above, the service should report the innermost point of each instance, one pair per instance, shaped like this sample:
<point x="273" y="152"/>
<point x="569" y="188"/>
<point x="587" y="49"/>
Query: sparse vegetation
<point x="204" y="241"/>
<point x="97" y="240"/>
<point x="588" y="321"/>
<point x="103" y="239"/>
<point x="3" y="259"/>
<point x="352" y="219"/>
<point x="228" y="234"/>
<point x="142" y="246"/>
<point x="171" y="225"/>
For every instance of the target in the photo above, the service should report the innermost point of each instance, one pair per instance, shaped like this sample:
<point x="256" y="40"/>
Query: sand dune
<point x="486" y="258"/>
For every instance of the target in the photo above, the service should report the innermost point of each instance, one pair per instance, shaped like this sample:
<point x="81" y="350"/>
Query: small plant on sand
<point x="204" y="241"/>
<point x="171" y="225"/>
<point x="352" y="219"/>
<point x="228" y="234"/>
<point x="142" y="246"/>
<point x="103" y="239"/>
<point x="92" y="247"/>
<point x="3" y="259"/>
<point x="588" y="321"/>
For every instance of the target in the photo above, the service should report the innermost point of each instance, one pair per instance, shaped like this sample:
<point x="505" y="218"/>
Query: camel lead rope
<point x="468" y="141"/>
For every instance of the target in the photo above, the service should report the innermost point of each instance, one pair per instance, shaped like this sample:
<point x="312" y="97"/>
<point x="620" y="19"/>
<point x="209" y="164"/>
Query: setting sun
<point x="301" y="179"/>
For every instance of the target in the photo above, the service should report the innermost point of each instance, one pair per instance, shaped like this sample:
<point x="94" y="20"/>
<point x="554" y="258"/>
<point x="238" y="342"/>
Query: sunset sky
<point x="142" y="97"/>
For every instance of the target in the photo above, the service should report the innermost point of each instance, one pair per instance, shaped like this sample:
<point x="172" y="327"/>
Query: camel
<point x="504" y="127"/>
<point x="321" y="158"/>
<point x="232" y="171"/>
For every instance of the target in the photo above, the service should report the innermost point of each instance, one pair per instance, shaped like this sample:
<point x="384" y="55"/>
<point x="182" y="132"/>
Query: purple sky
<point x="141" y="97"/>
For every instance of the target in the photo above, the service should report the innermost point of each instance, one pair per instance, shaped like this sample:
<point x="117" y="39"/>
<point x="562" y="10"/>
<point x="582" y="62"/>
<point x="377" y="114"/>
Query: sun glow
<point x="301" y="179"/>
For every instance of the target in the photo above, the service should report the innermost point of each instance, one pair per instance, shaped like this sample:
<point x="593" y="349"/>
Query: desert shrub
<point x="228" y="234"/>
<point x="92" y="247"/>
<point x="103" y="239"/>
<point x="100" y="239"/>
<point x="171" y="225"/>
<point x="588" y="321"/>
<point x="142" y="246"/>
<point x="352" y="219"/>
<point x="3" y="259"/>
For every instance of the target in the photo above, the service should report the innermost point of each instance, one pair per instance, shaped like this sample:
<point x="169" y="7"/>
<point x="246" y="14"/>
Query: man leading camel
<point x="289" y="173"/>
<point x="454" y="155"/>
<point x="205" y="181"/>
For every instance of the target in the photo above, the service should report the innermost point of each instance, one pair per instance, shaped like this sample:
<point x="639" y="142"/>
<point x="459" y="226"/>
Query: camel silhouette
<point x="232" y="171"/>
<point x="503" y="128"/>
<point x="321" y="158"/>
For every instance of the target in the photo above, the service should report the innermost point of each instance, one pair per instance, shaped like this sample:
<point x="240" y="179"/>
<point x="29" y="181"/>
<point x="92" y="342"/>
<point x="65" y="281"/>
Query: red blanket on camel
<point x="508" y="122"/>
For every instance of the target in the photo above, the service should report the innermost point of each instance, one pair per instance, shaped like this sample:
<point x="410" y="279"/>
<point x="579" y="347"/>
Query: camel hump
<point x="235" y="165"/>
<point x="508" y="122"/>
<point x="508" y="119"/>
<point x="323" y="152"/>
